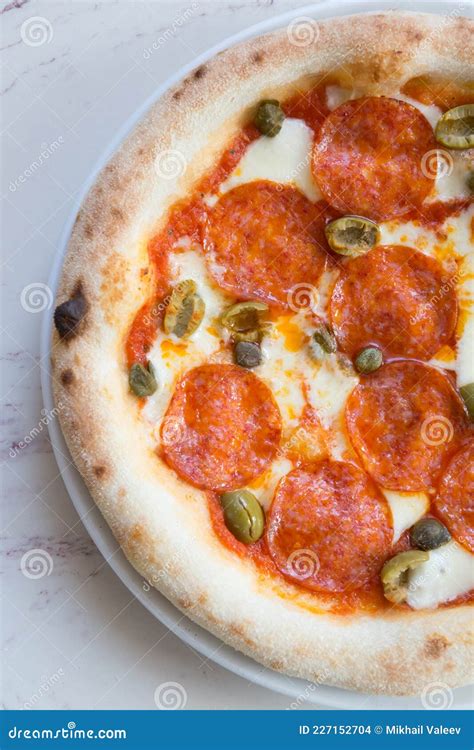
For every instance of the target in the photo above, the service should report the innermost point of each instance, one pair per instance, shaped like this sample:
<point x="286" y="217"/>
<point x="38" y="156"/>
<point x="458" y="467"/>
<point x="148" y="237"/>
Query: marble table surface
<point x="73" y="637"/>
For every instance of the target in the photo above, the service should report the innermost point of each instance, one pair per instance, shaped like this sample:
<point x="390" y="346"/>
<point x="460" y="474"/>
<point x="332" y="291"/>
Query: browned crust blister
<point x="162" y="524"/>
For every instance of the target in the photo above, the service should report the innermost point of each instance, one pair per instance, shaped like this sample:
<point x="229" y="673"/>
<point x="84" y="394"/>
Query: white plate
<point x="202" y="641"/>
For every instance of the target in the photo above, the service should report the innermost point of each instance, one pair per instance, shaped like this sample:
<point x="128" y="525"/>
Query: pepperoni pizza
<point x="263" y="350"/>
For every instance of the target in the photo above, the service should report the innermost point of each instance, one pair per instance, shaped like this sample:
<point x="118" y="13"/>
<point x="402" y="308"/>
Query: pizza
<point x="263" y="349"/>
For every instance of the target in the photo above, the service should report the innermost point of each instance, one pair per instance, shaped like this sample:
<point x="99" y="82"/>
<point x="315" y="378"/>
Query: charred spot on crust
<point x="116" y="213"/>
<point x="435" y="646"/>
<point x="177" y="94"/>
<point x="200" y="72"/>
<point x="88" y="231"/>
<point x="69" y="315"/>
<point x="100" y="471"/>
<point x="67" y="377"/>
<point x="185" y="603"/>
<point x="258" y="57"/>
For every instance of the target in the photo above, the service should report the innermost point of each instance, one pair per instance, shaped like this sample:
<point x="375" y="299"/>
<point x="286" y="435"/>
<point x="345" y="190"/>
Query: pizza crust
<point x="162" y="524"/>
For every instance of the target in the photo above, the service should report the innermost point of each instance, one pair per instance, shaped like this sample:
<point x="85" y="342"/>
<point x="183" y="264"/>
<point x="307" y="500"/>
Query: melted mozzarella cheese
<point x="286" y="158"/>
<point x="465" y="345"/>
<point x="329" y="389"/>
<point x="447" y="574"/>
<point x="336" y="95"/>
<point x="407" y="508"/>
<point x="264" y="486"/>
<point x="281" y="369"/>
<point x="451" y="180"/>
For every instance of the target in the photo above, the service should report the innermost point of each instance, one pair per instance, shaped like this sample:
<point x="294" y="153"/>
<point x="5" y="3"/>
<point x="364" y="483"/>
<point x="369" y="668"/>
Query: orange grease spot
<point x="169" y="347"/>
<point x="293" y="335"/>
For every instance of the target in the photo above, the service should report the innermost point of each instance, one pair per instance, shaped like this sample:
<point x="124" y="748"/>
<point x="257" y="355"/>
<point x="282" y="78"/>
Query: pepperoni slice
<point x="455" y="501"/>
<point x="368" y="157"/>
<point x="397" y="298"/>
<point x="329" y="527"/>
<point x="265" y="239"/>
<point x="404" y="421"/>
<point x="222" y="427"/>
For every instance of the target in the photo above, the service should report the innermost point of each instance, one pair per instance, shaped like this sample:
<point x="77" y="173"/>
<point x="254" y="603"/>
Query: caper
<point x="247" y="354"/>
<point x="244" y="316"/>
<point x="243" y="515"/>
<point x="368" y="360"/>
<point x="352" y="235"/>
<point x="325" y="338"/>
<point x="142" y="379"/>
<point x="345" y="364"/>
<point x="269" y="117"/>
<point x="467" y="394"/>
<point x="395" y="573"/>
<point x="428" y="533"/>
<point x="185" y="310"/>
<point x="455" y="129"/>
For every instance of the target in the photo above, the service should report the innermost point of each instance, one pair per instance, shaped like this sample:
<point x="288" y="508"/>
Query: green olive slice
<point x="247" y="354"/>
<point x="243" y="515"/>
<point x="470" y="181"/>
<point x="352" y="235"/>
<point x="368" y="360"/>
<point x="395" y="572"/>
<point x="255" y="336"/>
<point x="185" y="310"/>
<point x="269" y="117"/>
<point x="455" y="129"/>
<point x="429" y="533"/>
<point x="467" y="394"/>
<point x="142" y="380"/>
<point x="244" y="316"/>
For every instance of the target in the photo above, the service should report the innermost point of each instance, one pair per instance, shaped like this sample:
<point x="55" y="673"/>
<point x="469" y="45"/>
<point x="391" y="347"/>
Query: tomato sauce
<point x="188" y="217"/>
<point x="442" y="93"/>
<point x="433" y="215"/>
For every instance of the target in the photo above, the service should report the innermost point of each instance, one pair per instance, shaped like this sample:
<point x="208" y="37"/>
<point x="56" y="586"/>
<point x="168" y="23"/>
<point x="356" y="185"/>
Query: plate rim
<point x="193" y="635"/>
